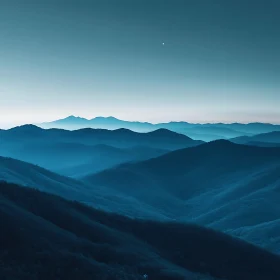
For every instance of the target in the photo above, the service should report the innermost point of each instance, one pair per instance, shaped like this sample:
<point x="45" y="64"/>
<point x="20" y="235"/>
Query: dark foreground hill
<point x="46" y="237"/>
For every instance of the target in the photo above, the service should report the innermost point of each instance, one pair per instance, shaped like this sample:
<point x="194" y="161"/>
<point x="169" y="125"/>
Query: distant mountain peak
<point x="166" y="132"/>
<point x="72" y="117"/>
<point x="27" y="127"/>
<point x="162" y="132"/>
<point x="107" y="118"/>
<point x="125" y="130"/>
<point x="221" y="143"/>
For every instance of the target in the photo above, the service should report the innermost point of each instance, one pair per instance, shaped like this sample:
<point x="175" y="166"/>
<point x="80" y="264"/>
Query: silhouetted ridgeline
<point x="205" y="132"/>
<point x="78" y="153"/>
<point x="265" y="139"/>
<point x="46" y="237"/>
<point x="121" y="138"/>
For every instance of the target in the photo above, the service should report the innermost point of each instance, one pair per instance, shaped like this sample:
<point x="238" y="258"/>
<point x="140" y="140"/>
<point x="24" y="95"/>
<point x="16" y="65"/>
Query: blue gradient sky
<point x="220" y="61"/>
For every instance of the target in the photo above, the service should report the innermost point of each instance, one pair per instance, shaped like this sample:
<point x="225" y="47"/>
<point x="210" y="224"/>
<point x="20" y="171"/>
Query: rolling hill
<point x="230" y="187"/>
<point x="120" y="138"/>
<point x="225" y="186"/>
<point x="75" y="159"/>
<point x="265" y="139"/>
<point x="26" y="174"/>
<point x="77" y="153"/>
<point x="46" y="237"/>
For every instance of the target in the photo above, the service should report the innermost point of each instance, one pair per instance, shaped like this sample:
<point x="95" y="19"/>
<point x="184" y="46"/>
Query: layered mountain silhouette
<point x="230" y="187"/>
<point x="75" y="159"/>
<point x="76" y="153"/>
<point x="46" y="237"/>
<point x="26" y="174"/>
<point x="73" y="122"/>
<point x="121" y="138"/>
<point x="271" y="139"/>
<point x="205" y="132"/>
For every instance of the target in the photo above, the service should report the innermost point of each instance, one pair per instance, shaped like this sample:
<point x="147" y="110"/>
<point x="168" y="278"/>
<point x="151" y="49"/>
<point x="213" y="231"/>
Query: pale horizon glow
<point x="140" y="61"/>
<point x="13" y="122"/>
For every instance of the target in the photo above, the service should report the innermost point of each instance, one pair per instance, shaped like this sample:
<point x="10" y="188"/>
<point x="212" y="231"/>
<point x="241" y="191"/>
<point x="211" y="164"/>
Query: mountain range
<point x="25" y="174"/>
<point x="205" y="132"/>
<point x="270" y="139"/>
<point x="121" y="204"/>
<point x="46" y="237"/>
<point x="76" y="153"/>
<point x="238" y="183"/>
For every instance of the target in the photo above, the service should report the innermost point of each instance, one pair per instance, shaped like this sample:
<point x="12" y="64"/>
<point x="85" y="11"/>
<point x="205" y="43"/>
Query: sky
<point x="147" y="60"/>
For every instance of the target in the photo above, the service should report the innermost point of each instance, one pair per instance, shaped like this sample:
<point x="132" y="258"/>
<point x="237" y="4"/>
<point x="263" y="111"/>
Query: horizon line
<point x="8" y="126"/>
<point x="162" y="122"/>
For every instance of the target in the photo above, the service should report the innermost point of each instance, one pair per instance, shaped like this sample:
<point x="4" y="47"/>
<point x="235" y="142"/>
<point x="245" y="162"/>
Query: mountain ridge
<point x="197" y="131"/>
<point x="78" y="152"/>
<point x="100" y="135"/>
<point x="269" y="137"/>
<point x="238" y="181"/>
